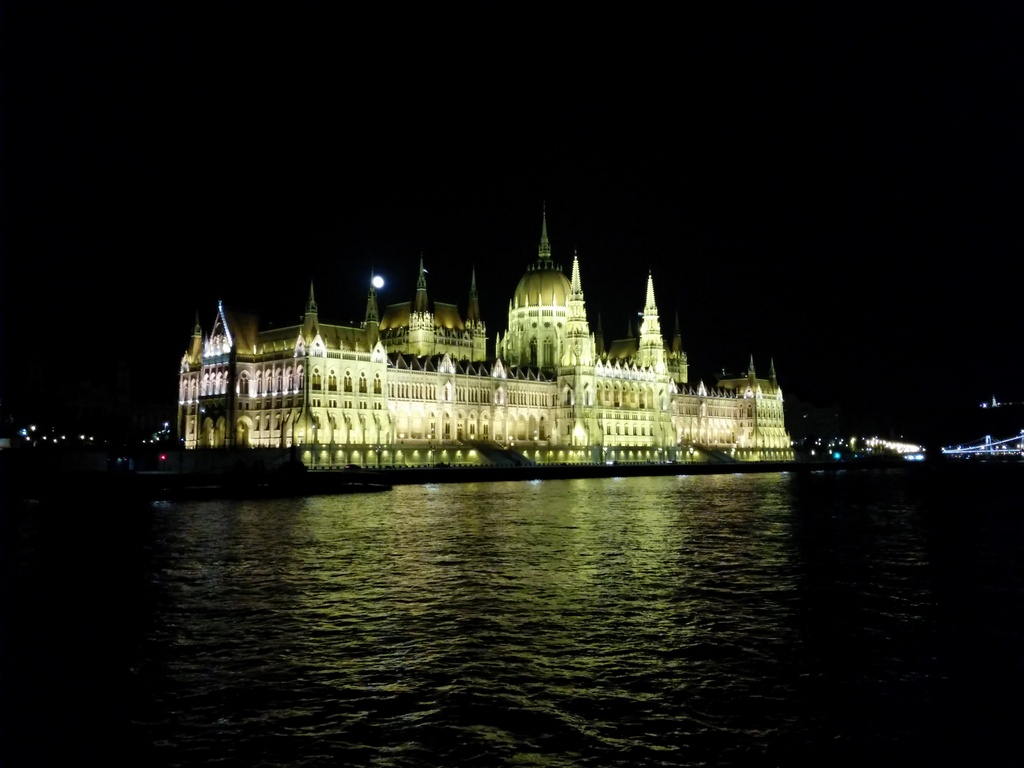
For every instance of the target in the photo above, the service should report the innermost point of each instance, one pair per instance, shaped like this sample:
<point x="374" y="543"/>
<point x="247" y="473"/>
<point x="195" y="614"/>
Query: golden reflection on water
<point x="546" y="552"/>
<point x="568" y="618"/>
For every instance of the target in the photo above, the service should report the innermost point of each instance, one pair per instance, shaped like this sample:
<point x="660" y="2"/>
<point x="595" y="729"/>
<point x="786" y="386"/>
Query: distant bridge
<point x="986" y="447"/>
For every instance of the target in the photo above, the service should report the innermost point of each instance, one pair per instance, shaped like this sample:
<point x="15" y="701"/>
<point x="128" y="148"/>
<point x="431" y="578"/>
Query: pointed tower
<point x="371" y="321"/>
<point x="677" y="338"/>
<point x="473" y="310"/>
<point x="651" y="351"/>
<point x="544" y="250"/>
<point x="195" y="350"/>
<point x="771" y="377"/>
<point x="677" y="362"/>
<point x="421" y="319"/>
<point x="189" y="374"/>
<point x="577" y="384"/>
<point x="421" y="303"/>
<point x="599" y="338"/>
<point x="578" y="344"/>
<point x="310" y="321"/>
<point x="475" y="324"/>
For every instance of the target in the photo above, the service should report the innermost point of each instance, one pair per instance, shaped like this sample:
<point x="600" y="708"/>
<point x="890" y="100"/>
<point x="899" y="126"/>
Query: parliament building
<point x="415" y="386"/>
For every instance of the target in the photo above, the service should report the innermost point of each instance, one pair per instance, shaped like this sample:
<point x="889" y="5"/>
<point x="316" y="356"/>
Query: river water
<point x="858" y="617"/>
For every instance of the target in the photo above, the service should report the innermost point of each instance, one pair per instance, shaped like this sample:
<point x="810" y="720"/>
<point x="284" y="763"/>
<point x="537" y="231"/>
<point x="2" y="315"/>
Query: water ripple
<point x="719" y="620"/>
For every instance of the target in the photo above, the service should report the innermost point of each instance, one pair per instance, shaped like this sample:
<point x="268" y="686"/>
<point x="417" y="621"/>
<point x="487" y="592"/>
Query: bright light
<point x="377" y="281"/>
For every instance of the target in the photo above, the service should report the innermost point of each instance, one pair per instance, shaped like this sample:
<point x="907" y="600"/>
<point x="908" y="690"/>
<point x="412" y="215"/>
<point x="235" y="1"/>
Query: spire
<point x="371" y="303"/>
<point x="311" y="304"/>
<point x="544" y="251"/>
<point x="677" y="337"/>
<point x="309" y="323"/>
<point x="473" y="313"/>
<point x="420" y="304"/>
<point x="650" y="308"/>
<point x="651" y="351"/>
<point x="771" y="373"/>
<point x="750" y="371"/>
<point x="576" y="288"/>
<point x="195" y="350"/>
<point x="421" y="282"/>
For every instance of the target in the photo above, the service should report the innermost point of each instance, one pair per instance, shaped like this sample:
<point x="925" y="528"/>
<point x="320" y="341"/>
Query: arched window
<point x="376" y="384"/>
<point x="316" y="378"/>
<point x="362" y="383"/>
<point x="332" y="382"/>
<point x="348" y="381"/>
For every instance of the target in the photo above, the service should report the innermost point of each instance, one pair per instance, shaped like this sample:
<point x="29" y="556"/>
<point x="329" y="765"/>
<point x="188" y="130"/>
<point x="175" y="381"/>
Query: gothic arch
<point x="243" y="431"/>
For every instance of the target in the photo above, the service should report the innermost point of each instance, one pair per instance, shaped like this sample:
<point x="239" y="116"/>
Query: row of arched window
<point x="628" y="396"/>
<point x="273" y="382"/>
<point x="316" y="382"/>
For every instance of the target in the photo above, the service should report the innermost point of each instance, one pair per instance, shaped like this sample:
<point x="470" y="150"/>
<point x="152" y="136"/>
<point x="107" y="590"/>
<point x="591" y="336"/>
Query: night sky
<point x="837" y="191"/>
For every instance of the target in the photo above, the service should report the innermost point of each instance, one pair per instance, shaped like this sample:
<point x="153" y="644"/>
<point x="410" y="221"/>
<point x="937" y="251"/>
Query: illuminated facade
<point x="416" y="386"/>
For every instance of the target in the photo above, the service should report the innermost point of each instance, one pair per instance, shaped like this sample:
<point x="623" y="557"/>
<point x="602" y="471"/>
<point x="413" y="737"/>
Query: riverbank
<point x="473" y="474"/>
<point x="296" y="480"/>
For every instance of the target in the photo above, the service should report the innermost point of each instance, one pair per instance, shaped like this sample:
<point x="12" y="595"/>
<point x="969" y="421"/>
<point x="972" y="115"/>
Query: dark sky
<point x="837" y="190"/>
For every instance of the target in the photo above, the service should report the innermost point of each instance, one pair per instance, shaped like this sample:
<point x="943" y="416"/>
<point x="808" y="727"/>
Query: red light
<point x="163" y="457"/>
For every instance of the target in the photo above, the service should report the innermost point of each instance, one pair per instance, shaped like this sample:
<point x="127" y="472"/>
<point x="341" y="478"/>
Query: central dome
<point x="543" y="285"/>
